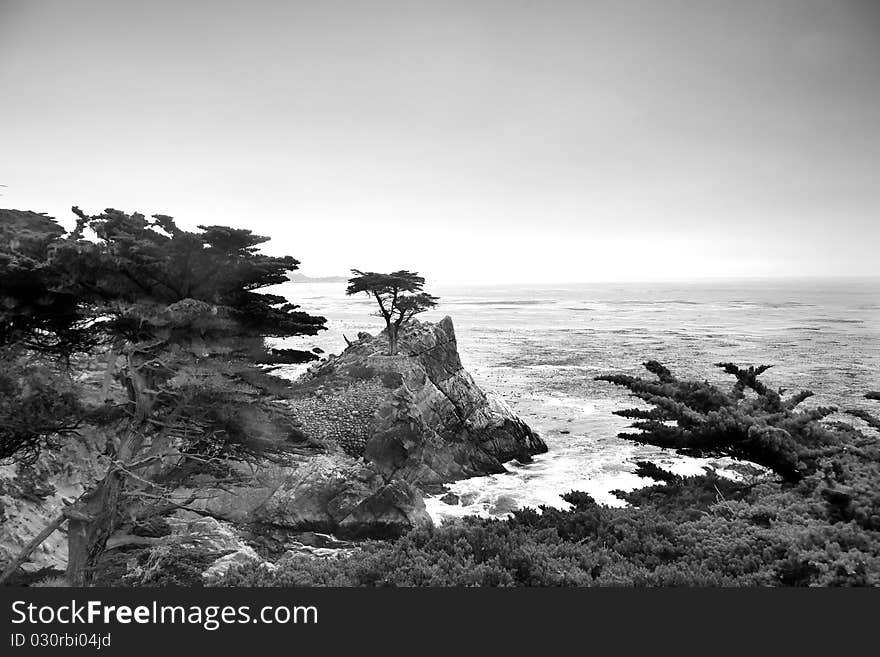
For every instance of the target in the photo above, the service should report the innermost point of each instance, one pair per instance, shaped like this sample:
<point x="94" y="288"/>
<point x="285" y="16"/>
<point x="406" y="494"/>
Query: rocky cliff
<point x="382" y="429"/>
<point x="417" y="416"/>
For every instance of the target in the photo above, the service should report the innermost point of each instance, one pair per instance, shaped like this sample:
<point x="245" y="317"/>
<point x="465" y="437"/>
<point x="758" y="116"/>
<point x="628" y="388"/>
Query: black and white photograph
<point x="437" y="293"/>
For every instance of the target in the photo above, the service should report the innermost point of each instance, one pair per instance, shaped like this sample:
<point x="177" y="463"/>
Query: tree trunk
<point x="108" y="373"/>
<point x="90" y="524"/>
<point x="392" y="339"/>
<point x="93" y="519"/>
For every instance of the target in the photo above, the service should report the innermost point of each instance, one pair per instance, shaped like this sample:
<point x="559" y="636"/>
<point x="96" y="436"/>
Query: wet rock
<point x="450" y="498"/>
<point x="504" y="504"/>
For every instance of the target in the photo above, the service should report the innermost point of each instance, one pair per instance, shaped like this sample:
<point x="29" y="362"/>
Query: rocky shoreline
<point x="383" y="431"/>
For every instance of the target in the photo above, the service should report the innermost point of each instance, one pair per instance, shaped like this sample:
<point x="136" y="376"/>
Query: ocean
<point x="539" y="348"/>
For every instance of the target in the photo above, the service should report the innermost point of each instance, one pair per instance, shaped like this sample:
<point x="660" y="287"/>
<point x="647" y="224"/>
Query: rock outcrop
<point x="418" y="416"/>
<point x="331" y="493"/>
<point x="393" y="427"/>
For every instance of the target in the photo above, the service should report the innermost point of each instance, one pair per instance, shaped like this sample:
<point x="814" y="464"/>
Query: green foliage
<point x="399" y="295"/>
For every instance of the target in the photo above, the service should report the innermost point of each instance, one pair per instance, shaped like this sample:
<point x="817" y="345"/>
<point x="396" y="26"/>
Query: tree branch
<point x="48" y="530"/>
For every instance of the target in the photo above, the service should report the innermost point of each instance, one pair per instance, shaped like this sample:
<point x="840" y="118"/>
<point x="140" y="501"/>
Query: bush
<point x="161" y="565"/>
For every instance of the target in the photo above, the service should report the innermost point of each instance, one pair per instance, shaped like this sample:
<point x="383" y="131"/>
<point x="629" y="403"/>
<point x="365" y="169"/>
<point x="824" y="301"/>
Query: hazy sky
<point x="544" y="141"/>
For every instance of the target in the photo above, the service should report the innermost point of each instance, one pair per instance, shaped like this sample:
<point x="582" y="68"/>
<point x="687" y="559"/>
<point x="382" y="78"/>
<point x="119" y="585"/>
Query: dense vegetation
<point x="176" y="323"/>
<point x="812" y="520"/>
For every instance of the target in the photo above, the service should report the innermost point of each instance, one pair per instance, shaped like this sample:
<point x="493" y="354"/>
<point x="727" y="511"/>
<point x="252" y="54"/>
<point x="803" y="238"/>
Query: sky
<point x="472" y="141"/>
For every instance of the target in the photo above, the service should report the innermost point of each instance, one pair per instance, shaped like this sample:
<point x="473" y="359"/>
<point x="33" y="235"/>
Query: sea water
<point x="540" y="347"/>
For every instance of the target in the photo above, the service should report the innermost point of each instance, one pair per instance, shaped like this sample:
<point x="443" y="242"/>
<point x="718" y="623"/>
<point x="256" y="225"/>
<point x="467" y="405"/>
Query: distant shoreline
<point x="296" y="277"/>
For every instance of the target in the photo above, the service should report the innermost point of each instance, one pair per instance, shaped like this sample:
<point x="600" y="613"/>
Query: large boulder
<point x="391" y="511"/>
<point x="338" y="495"/>
<point x="417" y="416"/>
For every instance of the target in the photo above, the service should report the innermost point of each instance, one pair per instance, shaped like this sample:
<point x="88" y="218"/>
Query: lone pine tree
<point x="398" y="294"/>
